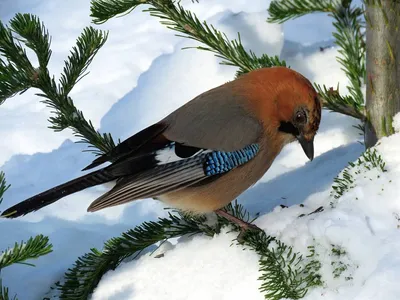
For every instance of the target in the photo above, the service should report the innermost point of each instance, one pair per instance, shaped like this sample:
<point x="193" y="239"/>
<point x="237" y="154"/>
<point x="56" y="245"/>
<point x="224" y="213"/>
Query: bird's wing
<point x="217" y="119"/>
<point x="203" y="139"/>
<point x="171" y="173"/>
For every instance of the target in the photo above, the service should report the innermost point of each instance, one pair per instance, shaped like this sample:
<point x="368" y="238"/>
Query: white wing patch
<point x="167" y="155"/>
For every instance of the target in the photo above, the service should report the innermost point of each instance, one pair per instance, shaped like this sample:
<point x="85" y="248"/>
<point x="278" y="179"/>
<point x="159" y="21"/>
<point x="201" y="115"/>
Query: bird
<point x="203" y="155"/>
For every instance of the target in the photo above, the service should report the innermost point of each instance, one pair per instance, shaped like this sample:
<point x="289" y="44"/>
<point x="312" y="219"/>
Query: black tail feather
<point x="52" y="195"/>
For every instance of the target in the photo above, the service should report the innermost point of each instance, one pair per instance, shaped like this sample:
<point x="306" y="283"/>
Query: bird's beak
<point x="307" y="145"/>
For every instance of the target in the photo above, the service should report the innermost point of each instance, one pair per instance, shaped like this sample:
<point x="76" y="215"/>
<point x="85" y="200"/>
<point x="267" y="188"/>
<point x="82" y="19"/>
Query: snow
<point x="139" y="76"/>
<point x="234" y="273"/>
<point x="396" y="123"/>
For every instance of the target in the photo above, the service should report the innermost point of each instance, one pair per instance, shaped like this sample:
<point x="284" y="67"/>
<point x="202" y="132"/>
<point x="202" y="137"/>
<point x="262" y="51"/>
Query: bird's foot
<point x="245" y="229"/>
<point x="244" y="226"/>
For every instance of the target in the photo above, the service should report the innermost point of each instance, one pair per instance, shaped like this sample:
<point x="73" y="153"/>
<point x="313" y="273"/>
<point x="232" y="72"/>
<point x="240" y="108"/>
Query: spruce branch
<point x="32" y="249"/>
<point x="346" y="105"/>
<point x="104" y="10"/>
<point x="34" y="35"/>
<point x="231" y="52"/>
<point x="352" y="48"/>
<point x="175" y="17"/>
<point x="13" y="51"/>
<point x="346" y="180"/>
<point x="4" y="294"/>
<point x="87" y="271"/>
<point x="3" y="185"/>
<point x="284" y="10"/>
<point x="87" y="46"/>
<point x="17" y="75"/>
<point x="348" y="36"/>
<point x="12" y="59"/>
<point x="285" y="273"/>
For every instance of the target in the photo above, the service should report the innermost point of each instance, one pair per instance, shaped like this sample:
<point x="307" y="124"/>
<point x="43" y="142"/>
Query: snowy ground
<point x="139" y="76"/>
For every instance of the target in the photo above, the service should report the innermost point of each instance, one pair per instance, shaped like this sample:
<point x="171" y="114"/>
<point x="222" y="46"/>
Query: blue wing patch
<point x="219" y="162"/>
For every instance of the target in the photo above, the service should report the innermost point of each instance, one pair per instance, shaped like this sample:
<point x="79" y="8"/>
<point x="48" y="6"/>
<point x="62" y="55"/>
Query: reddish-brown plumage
<point x="272" y="95"/>
<point x="269" y="107"/>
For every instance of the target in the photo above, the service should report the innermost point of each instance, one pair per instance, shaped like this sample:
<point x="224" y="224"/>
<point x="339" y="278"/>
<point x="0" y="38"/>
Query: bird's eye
<point x="300" y="117"/>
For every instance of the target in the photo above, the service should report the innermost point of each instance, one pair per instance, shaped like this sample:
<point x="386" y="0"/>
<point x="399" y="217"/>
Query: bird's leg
<point x="244" y="226"/>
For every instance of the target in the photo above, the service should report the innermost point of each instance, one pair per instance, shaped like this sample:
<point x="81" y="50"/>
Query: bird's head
<point x="302" y="125"/>
<point x="299" y="110"/>
<point x="286" y="103"/>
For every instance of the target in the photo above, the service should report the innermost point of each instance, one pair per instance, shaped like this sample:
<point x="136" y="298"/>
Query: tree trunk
<point x="383" y="67"/>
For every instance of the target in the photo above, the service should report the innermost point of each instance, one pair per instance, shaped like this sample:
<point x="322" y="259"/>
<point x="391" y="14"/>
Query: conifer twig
<point x="3" y="185"/>
<point x="346" y="105"/>
<point x="348" y="24"/>
<point x="232" y="53"/>
<point x="285" y="10"/>
<point x="17" y="74"/>
<point x="31" y="249"/>
<point x="4" y="293"/>
<point x="175" y="17"/>
<point x="284" y="273"/>
<point x="286" y="270"/>
<point x="20" y="253"/>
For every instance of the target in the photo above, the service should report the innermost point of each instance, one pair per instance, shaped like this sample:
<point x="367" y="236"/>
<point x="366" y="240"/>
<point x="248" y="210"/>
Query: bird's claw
<point x="244" y="229"/>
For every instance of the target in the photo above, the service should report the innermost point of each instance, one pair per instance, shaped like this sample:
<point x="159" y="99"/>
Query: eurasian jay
<point x="206" y="153"/>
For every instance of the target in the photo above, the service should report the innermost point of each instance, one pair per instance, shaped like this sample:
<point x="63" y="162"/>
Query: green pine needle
<point x="4" y="294"/>
<point x="16" y="71"/>
<point x="87" y="46"/>
<point x="346" y="181"/>
<point x="348" y="36"/>
<point x="17" y="75"/>
<point x="32" y="249"/>
<point x="231" y="52"/>
<point x="284" y="10"/>
<point x="34" y="35"/>
<point x="346" y="105"/>
<point x="3" y="185"/>
<point x="87" y="271"/>
<point x="352" y="48"/>
<point x="175" y="17"/>
<point x="284" y="272"/>
<point x="103" y="10"/>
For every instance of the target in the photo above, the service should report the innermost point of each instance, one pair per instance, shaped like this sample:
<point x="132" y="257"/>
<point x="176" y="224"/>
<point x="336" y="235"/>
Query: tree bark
<point x="383" y="67"/>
